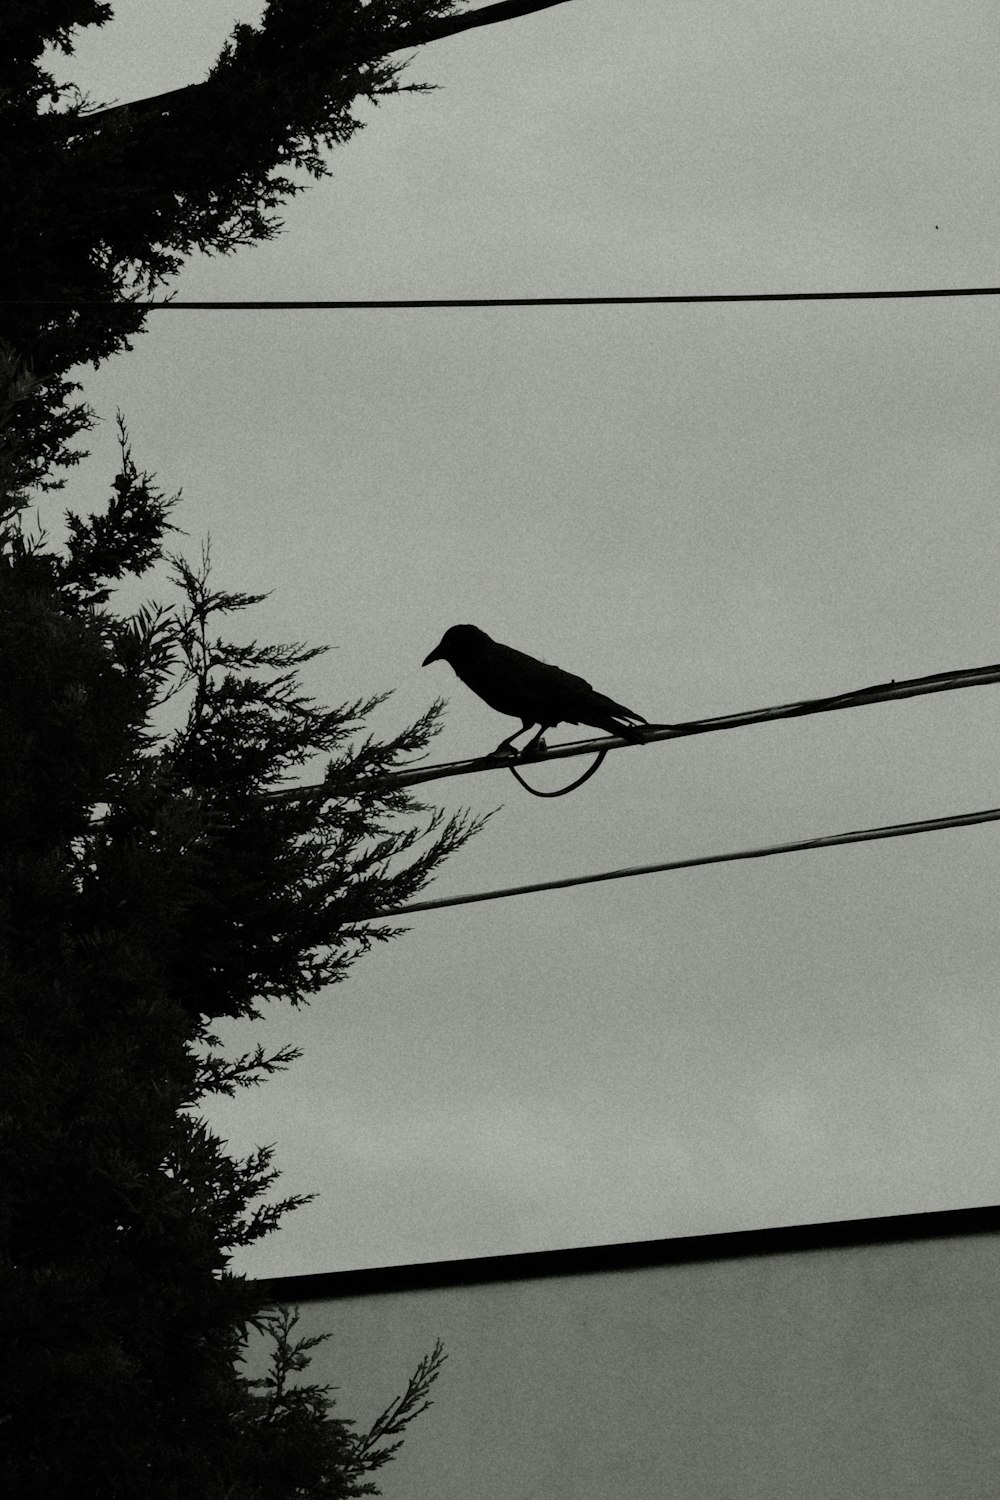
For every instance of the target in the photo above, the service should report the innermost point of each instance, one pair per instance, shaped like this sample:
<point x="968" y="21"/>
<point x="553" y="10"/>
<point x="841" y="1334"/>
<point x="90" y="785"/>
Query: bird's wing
<point x="520" y="685"/>
<point x="542" y="673"/>
<point x="517" y="684"/>
<point x="606" y="705"/>
<point x="560" y="688"/>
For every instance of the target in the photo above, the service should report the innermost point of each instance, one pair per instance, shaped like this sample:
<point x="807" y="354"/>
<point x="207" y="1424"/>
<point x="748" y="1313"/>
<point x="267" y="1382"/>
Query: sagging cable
<point x="561" y="791"/>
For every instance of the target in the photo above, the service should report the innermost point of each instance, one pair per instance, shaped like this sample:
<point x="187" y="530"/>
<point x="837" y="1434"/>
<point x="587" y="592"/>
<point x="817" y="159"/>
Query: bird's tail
<point x="631" y="731"/>
<point x="616" y="723"/>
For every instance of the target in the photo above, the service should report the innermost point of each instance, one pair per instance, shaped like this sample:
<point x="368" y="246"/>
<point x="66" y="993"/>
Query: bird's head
<point x="457" y="642"/>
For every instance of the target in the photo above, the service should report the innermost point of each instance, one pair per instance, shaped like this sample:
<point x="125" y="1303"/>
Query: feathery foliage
<point x="148" y="888"/>
<point x="107" y="214"/>
<point x="149" y="884"/>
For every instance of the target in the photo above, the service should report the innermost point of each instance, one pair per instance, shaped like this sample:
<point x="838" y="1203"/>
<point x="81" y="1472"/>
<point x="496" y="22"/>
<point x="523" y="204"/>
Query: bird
<point x="528" y="689"/>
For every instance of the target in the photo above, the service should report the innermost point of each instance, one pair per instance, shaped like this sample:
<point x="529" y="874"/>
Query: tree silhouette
<point x="148" y="888"/>
<point x="149" y="885"/>
<point x="103" y="206"/>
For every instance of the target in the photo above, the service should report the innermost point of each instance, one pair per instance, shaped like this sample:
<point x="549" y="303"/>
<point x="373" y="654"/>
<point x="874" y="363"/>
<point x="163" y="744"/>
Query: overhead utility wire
<point x="856" y="836"/>
<point x="316" y="305"/>
<point x="402" y="39"/>
<point x="882" y="692"/>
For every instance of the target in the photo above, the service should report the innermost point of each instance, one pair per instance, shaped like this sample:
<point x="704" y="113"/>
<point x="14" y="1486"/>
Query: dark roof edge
<point x="596" y="1259"/>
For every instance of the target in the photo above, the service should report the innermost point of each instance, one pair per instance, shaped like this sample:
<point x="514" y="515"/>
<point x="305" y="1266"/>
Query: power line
<point x="882" y="692"/>
<point x="856" y="836"/>
<point x="318" y="305"/>
<point x="402" y="39"/>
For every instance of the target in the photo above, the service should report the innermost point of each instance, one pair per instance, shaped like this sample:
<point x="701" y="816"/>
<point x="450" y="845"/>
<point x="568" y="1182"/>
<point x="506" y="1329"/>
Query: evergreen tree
<point x="98" y="215"/>
<point x="103" y="206"/>
<point x="151" y="884"/>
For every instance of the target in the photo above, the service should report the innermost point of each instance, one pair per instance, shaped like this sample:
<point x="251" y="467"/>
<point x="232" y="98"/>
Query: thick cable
<point x="403" y="40"/>
<point x="883" y="692"/>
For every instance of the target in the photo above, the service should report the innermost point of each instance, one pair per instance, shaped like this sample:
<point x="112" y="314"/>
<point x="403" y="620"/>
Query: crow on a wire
<point x="528" y="689"/>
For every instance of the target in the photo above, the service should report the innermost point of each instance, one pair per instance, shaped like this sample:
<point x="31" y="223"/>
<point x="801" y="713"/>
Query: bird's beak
<point x="434" y="656"/>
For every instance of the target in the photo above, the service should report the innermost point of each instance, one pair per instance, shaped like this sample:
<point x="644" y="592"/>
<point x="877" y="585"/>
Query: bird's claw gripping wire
<point x="509" y="751"/>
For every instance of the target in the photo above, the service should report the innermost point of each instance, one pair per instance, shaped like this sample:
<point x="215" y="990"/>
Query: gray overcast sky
<point x="702" y="509"/>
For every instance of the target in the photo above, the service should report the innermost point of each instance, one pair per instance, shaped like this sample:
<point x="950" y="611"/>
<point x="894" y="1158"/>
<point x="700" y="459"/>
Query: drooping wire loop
<point x="561" y="791"/>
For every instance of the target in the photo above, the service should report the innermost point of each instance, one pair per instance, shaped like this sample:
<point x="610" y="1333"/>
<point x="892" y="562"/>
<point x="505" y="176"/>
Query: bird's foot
<point x="534" y="747"/>
<point x="505" y="751"/>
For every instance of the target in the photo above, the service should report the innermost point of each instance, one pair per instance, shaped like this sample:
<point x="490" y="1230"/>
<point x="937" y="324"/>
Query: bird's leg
<point x="538" y="743"/>
<point x="506" y="747"/>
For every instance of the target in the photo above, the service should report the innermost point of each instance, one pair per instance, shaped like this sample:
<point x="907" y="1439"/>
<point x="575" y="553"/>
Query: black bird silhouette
<point x="528" y="689"/>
